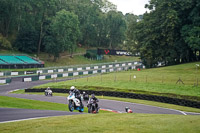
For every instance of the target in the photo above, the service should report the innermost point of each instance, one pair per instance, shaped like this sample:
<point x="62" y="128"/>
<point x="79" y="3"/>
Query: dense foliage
<point x="169" y="33"/>
<point x="55" y="26"/>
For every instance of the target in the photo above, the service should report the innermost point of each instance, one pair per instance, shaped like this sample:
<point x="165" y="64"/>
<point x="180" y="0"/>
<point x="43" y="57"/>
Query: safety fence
<point x="85" y="71"/>
<point x="162" y="99"/>
<point x="5" y="81"/>
<point x="72" y="68"/>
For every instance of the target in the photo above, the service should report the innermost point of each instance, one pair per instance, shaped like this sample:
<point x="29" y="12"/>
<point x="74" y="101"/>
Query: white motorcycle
<point x="75" y="103"/>
<point x="48" y="92"/>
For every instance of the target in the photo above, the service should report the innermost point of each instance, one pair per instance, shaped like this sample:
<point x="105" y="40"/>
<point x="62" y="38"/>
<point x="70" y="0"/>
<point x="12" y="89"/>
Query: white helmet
<point x="72" y="88"/>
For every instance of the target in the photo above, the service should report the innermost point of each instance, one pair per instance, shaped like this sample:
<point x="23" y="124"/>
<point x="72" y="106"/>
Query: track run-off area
<point x="12" y="114"/>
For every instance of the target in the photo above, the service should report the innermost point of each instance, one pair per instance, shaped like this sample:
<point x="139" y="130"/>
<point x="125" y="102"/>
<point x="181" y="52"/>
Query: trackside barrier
<point x="5" y="81"/>
<point x="74" y="68"/>
<point x="162" y="99"/>
<point x="77" y="73"/>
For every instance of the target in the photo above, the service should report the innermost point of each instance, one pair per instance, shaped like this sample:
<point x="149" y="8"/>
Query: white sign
<point x="110" y="66"/>
<point x="123" y="64"/>
<point x="2" y="81"/>
<point x="86" y="72"/>
<point x="41" y="77"/>
<point x="123" y="53"/>
<point x="14" y="73"/>
<point x="117" y="65"/>
<point x="94" y="72"/>
<point x="60" y="70"/>
<point x="135" y="63"/>
<point x="87" y="68"/>
<point x="54" y="76"/>
<point x="1" y="74"/>
<point x="129" y="64"/>
<point x="103" y="71"/>
<point x="65" y="74"/>
<point x="27" y="79"/>
<point x="70" y="69"/>
<point x="50" y="71"/>
<point x="96" y="67"/>
<point x="75" y="73"/>
<point x="79" y="69"/>
<point x="111" y="70"/>
<point x="104" y="66"/>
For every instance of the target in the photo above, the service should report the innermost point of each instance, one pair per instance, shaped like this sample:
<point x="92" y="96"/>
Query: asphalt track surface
<point x="10" y="114"/>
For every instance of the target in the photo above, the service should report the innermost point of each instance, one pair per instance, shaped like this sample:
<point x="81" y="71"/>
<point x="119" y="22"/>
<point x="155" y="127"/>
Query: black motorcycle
<point x="92" y="107"/>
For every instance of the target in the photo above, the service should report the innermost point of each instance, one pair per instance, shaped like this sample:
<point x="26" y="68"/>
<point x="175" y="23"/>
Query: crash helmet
<point x="48" y="88"/>
<point x="92" y="96"/>
<point x="72" y="88"/>
<point x="84" y="92"/>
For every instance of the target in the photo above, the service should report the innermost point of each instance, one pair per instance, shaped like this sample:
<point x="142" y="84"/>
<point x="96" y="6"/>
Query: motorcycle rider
<point x="76" y="92"/>
<point x="48" y="90"/>
<point x="93" y="99"/>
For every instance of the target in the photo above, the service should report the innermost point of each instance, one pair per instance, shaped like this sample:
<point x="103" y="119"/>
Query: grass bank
<point x="107" y="123"/>
<point x="178" y="81"/>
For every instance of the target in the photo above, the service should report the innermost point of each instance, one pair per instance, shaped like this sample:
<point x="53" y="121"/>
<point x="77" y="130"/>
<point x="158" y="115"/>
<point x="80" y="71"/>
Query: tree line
<point x="169" y="33"/>
<point x="55" y="26"/>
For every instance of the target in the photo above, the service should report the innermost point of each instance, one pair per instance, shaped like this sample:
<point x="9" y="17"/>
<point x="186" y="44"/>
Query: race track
<point x="16" y="114"/>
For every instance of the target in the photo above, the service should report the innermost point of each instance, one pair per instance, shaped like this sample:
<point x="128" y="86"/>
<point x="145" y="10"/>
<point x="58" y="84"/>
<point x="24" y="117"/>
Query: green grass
<point x="107" y="123"/>
<point x="11" y="102"/>
<point x="157" y="81"/>
<point x="158" y="104"/>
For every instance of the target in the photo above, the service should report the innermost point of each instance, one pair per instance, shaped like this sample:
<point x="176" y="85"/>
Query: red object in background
<point x="106" y="51"/>
<point x="138" y="69"/>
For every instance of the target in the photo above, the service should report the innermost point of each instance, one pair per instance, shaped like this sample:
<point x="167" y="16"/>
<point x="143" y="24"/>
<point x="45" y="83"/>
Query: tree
<point x="65" y="29"/>
<point x="27" y="40"/>
<point x="167" y="33"/>
<point x="116" y="26"/>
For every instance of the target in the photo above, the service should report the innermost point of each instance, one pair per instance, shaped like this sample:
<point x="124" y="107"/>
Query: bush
<point x="4" y="43"/>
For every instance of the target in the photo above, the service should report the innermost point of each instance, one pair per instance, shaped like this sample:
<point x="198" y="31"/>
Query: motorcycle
<point x="75" y="103"/>
<point x="48" y="93"/>
<point x="92" y="107"/>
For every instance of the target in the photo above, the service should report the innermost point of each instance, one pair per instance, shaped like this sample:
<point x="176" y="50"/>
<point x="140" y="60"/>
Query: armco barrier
<point x="5" y="81"/>
<point x="75" y="68"/>
<point x="78" y="73"/>
<point x="162" y="99"/>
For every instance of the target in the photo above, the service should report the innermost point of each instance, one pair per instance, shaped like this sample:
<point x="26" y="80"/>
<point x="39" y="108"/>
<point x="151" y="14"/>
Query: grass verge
<point x="107" y="123"/>
<point x="11" y="102"/>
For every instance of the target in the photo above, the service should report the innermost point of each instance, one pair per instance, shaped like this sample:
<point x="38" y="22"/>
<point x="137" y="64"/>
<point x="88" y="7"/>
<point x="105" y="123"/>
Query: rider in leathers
<point x="76" y="92"/>
<point x="93" y="99"/>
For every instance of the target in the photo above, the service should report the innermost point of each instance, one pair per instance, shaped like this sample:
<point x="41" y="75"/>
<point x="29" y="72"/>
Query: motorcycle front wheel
<point x="71" y="106"/>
